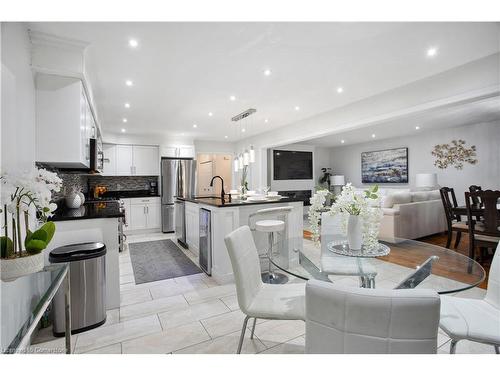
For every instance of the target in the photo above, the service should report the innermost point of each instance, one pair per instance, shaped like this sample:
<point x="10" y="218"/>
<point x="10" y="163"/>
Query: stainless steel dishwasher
<point x="205" y="257"/>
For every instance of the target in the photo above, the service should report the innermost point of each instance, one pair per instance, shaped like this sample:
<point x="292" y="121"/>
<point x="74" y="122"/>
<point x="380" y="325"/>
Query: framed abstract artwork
<point x="385" y="166"/>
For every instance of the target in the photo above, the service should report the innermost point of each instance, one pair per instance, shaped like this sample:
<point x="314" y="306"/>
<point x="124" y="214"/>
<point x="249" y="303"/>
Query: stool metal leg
<point x="242" y="336"/>
<point x="253" y="327"/>
<point x="271" y="277"/>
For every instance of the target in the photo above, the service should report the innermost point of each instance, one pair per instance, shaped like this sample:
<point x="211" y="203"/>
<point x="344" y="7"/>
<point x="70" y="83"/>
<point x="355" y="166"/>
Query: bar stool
<point x="270" y="226"/>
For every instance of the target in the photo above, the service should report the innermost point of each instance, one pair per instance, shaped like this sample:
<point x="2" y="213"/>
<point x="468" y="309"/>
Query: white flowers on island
<point x="356" y="208"/>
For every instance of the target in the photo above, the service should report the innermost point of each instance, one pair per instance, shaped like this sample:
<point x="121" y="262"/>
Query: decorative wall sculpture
<point x="454" y="154"/>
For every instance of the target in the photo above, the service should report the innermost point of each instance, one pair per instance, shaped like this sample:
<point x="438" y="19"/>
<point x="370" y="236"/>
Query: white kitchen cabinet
<point x="124" y="160"/>
<point x="192" y="213"/>
<point x="144" y="213"/>
<point x="146" y="161"/>
<point x="183" y="151"/>
<point x="109" y="151"/>
<point x="63" y="123"/>
<point x="126" y="207"/>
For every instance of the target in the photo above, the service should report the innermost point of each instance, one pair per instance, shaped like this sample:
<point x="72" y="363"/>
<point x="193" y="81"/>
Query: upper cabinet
<point x="185" y="151"/>
<point x="64" y="123"/>
<point x="131" y="160"/>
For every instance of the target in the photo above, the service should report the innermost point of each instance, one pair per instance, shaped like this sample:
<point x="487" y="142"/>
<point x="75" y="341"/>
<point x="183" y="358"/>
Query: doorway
<point x="209" y="165"/>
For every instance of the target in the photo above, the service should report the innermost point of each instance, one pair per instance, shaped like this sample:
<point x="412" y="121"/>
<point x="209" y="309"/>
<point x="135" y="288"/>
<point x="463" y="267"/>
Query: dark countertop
<point x="91" y="210"/>
<point x="117" y="194"/>
<point x="217" y="202"/>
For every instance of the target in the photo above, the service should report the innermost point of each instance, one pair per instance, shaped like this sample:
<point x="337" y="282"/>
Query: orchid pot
<point x="355" y="232"/>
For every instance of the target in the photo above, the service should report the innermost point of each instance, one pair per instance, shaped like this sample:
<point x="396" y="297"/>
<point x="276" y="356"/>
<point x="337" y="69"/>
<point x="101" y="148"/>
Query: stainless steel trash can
<point x="87" y="286"/>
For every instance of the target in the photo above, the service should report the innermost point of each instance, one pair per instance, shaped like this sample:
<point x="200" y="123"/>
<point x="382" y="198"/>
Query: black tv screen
<point x="292" y="165"/>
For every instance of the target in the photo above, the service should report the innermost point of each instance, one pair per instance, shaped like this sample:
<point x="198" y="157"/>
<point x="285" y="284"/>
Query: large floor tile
<point x="110" y="349"/>
<point x="125" y="279"/>
<point x="295" y="346"/>
<point x="112" y="334"/>
<point x="274" y="332"/>
<point x="152" y="307"/>
<point x="132" y="286"/>
<point x="112" y="317"/>
<point x="129" y="297"/>
<point x="202" y="295"/>
<point x="173" y="289"/>
<point x="225" y="345"/>
<point x="231" y="302"/>
<point x="192" y="313"/>
<point x="167" y="341"/>
<point x="52" y="346"/>
<point x="221" y="325"/>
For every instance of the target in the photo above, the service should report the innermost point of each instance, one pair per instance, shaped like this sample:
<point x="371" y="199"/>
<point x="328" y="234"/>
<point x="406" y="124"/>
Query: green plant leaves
<point x="37" y="241"/>
<point x="6" y="247"/>
<point x="50" y="228"/>
<point x="35" y="246"/>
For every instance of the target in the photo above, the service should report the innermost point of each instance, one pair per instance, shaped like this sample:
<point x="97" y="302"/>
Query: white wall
<point x="18" y="153"/>
<point x="213" y="147"/>
<point x="346" y="160"/>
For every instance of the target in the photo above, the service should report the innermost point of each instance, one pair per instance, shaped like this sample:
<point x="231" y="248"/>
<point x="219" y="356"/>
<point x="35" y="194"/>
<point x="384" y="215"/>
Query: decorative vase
<point x="17" y="267"/>
<point x="355" y="232"/>
<point x="73" y="200"/>
<point x="82" y="197"/>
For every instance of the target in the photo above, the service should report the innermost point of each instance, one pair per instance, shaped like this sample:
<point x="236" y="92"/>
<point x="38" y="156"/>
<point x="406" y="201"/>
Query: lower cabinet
<point x="144" y="214"/>
<point x="192" y="226"/>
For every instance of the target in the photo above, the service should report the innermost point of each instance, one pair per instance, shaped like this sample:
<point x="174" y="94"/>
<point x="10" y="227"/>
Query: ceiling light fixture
<point x="431" y="52"/>
<point x="124" y="120"/>
<point x="342" y="141"/>
<point x="243" y="130"/>
<point x="340" y="90"/>
<point x="417" y="127"/>
<point x="210" y="114"/>
<point x="129" y="83"/>
<point x="133" y="43"/>
<point x="127" y="105"/>
<point x="195" y="126"/>
<point x="225" y="137"/>
<point x="124" y="130"/>
<point x="373" y="135"/>
<point x="232" y="98"/>
<point x="267" y="72"/>
<point x="297" y="108"/>
<point x="266" y="120"/>
<point x="182" y="134"/>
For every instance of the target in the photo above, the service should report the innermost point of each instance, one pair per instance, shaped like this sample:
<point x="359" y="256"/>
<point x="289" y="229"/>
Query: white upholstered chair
<point x="472" y="319"/>
<point x="256" y="299"/>
<point x="366" y="321"/>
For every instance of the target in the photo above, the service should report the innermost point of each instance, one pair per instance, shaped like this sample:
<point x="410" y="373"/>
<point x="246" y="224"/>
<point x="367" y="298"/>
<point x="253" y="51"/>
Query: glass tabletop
<point x="54" y="273"/>
<point x="408" y="264"/>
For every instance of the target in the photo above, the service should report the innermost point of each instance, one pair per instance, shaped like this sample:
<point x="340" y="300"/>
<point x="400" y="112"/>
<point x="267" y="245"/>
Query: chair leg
<point x="457" y="239"/>
<point x="242" y="336"/>
<point x="453" y="346"/>
<point x="253" y="327"/>
<point x="497" y="349"/>
<point x="448" y="240"/>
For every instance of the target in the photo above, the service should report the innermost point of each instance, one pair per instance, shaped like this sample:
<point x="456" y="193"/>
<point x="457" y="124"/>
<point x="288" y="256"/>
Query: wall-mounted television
<point x="292" y="165"/>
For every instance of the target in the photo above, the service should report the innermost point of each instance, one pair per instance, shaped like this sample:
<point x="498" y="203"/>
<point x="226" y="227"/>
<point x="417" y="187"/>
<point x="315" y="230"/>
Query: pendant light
<point x="235" y="162"/>
<point x="246" y="157"/>
<point x="252" y="155"/>
<point x="240" y="162"/>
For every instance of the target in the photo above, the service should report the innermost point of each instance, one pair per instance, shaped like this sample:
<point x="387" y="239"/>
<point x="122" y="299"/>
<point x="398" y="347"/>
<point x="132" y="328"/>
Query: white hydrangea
<point x="317" y="207"/>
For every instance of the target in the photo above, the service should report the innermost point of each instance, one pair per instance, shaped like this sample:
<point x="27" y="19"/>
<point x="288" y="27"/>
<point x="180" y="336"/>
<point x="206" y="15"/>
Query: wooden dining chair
<point x="453" y="221"/>
<point x="477" y="202"/>
<point x="484" y="233"/>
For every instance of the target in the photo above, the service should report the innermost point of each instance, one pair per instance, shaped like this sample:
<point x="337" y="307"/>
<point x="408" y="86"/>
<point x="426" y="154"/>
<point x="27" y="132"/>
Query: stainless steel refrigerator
<point x="177" y="180"/>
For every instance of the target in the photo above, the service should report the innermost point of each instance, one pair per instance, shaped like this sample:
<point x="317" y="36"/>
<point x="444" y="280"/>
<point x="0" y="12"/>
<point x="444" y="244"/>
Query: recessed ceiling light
<point x="431" y="52"/>
<point x="373" y="135"/>
<point x="123" y="130"/>
<point x="225" y="136"/>
<point x="210" y="114"/>
<point x="340" y="90"/>
<point x="127" y="105"/>
<point x="297" y="108"/>
<point x="128" y="82"/>
<point x="232" y="98"/>
<point x="182" y="134"/>
<point x="124" y="120"/>
<point x="243" y="130"/>
<point x="266" y="120"/>
<point x="267" y="72"/>
<point x="195" y="126"/>
<point x="342" y="141"/>
<point x="133" y="43"/>
<point x="417" y="127"/>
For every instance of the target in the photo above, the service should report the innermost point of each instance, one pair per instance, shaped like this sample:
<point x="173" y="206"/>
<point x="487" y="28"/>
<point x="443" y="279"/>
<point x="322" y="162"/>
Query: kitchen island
<point x="228" y="215"/>
<point x="93" y="222"/>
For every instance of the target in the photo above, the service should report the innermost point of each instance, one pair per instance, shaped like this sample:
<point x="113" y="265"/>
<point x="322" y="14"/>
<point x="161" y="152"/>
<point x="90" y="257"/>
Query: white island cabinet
<point x="225" y="219"/>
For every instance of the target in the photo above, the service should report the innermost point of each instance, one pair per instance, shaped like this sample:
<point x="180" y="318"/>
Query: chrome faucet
<point x="222" y="193"/>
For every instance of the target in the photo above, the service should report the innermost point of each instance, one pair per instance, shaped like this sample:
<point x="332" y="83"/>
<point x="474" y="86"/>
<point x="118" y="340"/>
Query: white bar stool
<point x="270" y="226"/>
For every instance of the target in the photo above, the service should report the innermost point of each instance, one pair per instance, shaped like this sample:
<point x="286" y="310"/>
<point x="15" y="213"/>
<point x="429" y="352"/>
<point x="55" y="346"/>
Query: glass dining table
<point x="394" y="264"/>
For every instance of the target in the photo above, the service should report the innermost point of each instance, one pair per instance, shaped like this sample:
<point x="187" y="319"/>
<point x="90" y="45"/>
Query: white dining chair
<point x="256" y="299"/>
<point x="473" y="319"/>
<point x="342" y="320"/>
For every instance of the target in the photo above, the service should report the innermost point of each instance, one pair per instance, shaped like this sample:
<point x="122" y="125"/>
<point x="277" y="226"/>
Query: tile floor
<point x="193" y="314"/>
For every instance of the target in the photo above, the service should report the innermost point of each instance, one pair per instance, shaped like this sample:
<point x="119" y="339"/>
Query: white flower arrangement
<point x="28" y="194"/>
<point x="349" y="202"/>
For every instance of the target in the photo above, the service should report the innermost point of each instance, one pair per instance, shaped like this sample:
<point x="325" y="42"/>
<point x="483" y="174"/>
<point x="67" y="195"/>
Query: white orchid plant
<point x="349" y="202"/>
<point x="27" y="196"/>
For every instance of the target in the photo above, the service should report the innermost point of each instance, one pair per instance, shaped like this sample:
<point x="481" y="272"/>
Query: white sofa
<point x="410" y="214"/>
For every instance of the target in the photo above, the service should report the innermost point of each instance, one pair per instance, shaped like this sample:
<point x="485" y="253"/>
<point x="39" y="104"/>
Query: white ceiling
<point x="482" y="111"/>
<point x="182" y="71"/>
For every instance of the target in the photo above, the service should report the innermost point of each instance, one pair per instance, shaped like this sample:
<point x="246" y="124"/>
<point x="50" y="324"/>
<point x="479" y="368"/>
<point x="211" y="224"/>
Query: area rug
<point x="159" y="260"/>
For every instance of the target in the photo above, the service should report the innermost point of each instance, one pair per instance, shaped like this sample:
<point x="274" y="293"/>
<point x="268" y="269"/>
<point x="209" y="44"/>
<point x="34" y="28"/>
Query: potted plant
<point x="26" y="203"/>
<point x="324" y="181"/>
